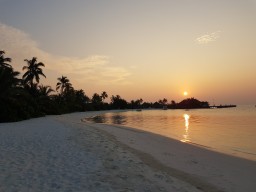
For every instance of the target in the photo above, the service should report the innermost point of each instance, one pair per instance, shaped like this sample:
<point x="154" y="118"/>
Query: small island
<point x="192" y="103"/>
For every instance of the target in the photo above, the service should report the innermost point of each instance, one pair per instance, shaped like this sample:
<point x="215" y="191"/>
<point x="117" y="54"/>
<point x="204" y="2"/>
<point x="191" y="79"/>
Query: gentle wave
<point x="197" y="144"/>
<point x="245" y="152"/>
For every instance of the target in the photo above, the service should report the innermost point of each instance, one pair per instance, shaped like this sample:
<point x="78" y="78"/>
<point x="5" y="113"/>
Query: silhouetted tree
<point x="32" y="89"/>
<point x="96" y="98"/>
<point x="4" y="61"/>
<point x="81" y="100"/>
<point x="158" y="104"/>
<point x="118" y="103"/>
<point x="45" y="100"/>
<point x="96" y="101"/>
<point x="16" y="104"/>
<point x="8" y="80"/>
<point x="132" y="104"/>
<point x="45" y="90"/>
<point x="139" y="102"/>
<point x="147" y="105"/>
<point x="172" y="105"/>
<point x="81" y="97"/>
<point x="136" y="104"/>
<point x="104" y="95"/>
<point x="64" y="85"/>
<point x="165" y="101"/>
<point x="33" y="71"/>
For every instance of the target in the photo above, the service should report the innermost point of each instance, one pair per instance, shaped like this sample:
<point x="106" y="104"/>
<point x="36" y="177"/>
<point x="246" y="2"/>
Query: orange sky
<point x="139" y="49"/>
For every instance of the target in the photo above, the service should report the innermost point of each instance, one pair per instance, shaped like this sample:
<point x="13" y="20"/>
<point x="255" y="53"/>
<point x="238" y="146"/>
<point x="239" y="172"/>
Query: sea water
<point x="227" y="130"/>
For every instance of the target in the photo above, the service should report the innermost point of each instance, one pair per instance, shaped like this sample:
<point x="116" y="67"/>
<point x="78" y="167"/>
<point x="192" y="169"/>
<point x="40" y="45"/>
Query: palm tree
<point x="33" y="71"/>
<point x="165" y="101"/>
<point x="11" y="95"/>
<point x="138" y="103"/>
<point x="8" y="77"/>
<point x="118" y="103"/>
<point x="96" y="99"/>
<point x="8" y="80"/>
<point x="45" y="100"/>
<point x="64" y="85"/>
<point x="4" y="62"/>
<point x="104" y="95"/>
<point x="81" y="97"/>
<point x="45" y="90"/>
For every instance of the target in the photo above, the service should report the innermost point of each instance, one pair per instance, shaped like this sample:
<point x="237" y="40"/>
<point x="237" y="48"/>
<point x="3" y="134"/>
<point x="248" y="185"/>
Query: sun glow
<point x="185" y="93"/>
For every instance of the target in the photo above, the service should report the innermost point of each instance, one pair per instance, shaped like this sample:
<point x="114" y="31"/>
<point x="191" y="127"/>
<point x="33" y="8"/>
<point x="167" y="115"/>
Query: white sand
<point x="60" y="153"/>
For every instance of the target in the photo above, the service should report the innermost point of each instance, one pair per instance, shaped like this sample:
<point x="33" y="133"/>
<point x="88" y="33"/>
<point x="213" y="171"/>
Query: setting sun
<point x="185" y="93"/>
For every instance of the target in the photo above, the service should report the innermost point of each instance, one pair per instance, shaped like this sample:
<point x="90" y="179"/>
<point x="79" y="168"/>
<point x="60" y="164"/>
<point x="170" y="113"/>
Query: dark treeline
<point x="24" y="98"/>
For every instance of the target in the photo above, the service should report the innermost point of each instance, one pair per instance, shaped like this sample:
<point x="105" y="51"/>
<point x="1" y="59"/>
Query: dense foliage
<point x="24" y="98"/>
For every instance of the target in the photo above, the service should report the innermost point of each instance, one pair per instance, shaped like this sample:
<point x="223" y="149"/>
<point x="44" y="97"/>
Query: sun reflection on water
<point x="186" y="135"/>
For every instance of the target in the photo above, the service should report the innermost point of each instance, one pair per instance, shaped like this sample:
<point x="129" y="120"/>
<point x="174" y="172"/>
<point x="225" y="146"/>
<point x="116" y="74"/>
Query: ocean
<point x="228" y="130"/>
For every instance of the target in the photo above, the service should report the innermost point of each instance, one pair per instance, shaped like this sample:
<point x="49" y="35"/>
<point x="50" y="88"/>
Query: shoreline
<point x="98" y="157"/>
<point x="187" y="161"/>
<point x="230" y="150"/>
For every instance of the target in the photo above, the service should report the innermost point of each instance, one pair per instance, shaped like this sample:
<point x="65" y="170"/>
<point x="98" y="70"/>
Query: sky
<point x="149" y="49"/>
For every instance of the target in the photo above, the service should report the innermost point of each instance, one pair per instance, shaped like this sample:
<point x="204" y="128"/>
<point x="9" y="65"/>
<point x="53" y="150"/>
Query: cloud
<point x="208" y="38"/>
<point x="18" y="44"/>
<point x="95" y="68"/>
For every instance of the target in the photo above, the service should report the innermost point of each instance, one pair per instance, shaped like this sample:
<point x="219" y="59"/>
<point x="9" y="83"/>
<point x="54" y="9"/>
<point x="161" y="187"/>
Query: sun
<point x="185" y="93"/>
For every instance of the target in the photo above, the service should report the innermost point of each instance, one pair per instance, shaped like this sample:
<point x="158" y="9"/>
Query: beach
<point x="63" y="153"/>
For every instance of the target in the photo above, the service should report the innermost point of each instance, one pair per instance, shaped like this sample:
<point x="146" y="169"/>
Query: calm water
<point x="231" y="130"/>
